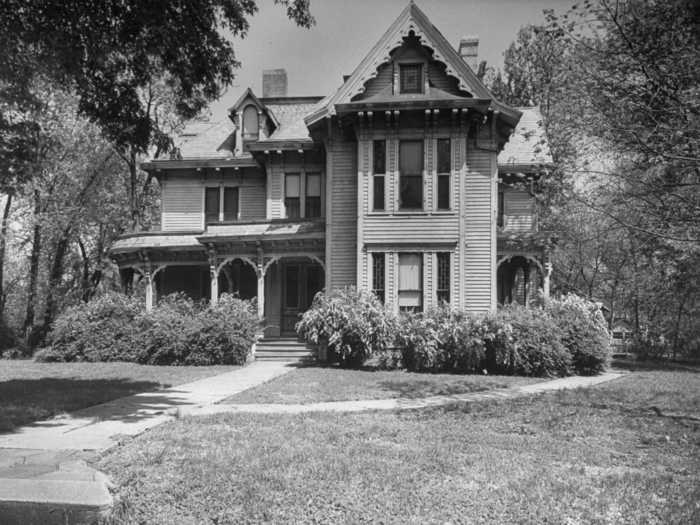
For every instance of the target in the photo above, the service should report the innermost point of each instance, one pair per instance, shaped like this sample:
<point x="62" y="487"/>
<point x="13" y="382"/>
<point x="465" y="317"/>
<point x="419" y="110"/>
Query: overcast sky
<point x="317" y="58"/>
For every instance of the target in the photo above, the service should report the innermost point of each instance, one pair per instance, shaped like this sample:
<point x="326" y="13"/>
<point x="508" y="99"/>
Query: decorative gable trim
<point x="411" y="19"/>
<point x="248" y="94"/>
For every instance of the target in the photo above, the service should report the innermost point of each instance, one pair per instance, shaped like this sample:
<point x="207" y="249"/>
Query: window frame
<point x="303" y="193"/>
<point x="443" y="176"/>
<point x="221" y="214"/>
<point x="308" y="197"/>
<point x="420" y="291"/>
<point x="379" y="277"/>
<point x="420" y="174"/>
<point x="501" y="208"/>
<point x="404" y="66"/>
<point x="379" y="178"/>
<point x="442" y="293"/>
<point x="245" y="137"/>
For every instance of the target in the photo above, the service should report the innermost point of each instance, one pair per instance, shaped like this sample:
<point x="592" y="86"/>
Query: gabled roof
<point x="527" y="146"/>
<point x="248" y="93"/>
<point x="290" y="115"/>
<point x="210" y="139"/>
<point x="411" y="19"/>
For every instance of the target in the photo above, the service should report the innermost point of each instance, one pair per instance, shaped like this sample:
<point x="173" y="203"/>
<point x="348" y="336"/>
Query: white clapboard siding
<point x="518" y="207"/>
<point x="399" y="228"/>
<point x="341" y="233"/>
<point x="182" y="204"/>
<point x="479" y="218"/>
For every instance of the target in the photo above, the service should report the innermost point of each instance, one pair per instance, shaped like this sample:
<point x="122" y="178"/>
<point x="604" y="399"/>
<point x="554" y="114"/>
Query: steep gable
<point x="411" y="23"/>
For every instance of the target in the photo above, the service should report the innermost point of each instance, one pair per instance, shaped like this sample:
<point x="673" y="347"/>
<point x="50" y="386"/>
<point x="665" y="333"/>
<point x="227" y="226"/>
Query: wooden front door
<point x="300" y="283"/>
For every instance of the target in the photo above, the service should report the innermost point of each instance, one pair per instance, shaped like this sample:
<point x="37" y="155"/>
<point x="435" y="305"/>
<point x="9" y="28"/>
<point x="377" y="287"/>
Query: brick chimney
<point x="274" y="83"/>
<point x="469" y="51"/>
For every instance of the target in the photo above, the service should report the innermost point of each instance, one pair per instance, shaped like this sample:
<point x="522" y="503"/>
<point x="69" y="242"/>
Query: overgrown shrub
<point x="181" y="332"/>
<point x="178" y="331"/>
<point x="585" y="333"/>
<point x="534" y="347"/>
<point x="99" y="330"/>
<point x="352" y="323"/>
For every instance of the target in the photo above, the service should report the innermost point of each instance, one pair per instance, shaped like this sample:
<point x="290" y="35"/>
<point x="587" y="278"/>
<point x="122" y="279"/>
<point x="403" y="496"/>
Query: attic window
<point x="251" y="124"/>
<point x="411" y="78"/>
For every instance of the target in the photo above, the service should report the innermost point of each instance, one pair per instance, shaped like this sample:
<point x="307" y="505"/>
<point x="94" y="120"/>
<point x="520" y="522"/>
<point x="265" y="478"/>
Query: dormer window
<point x="251" y="123"/>
<point x="410" y="78"/>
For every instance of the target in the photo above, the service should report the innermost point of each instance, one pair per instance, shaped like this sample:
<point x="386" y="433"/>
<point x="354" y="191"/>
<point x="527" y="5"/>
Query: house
<point x="411" y="180"/>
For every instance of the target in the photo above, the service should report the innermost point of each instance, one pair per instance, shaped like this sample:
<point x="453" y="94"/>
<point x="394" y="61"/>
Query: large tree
<point x="120" y="57"/>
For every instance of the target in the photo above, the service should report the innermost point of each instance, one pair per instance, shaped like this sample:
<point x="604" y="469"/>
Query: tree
<point x="116" y="55"/>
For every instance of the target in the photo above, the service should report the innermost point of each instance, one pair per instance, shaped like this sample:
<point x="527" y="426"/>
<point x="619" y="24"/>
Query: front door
<point x="300" y="283"/>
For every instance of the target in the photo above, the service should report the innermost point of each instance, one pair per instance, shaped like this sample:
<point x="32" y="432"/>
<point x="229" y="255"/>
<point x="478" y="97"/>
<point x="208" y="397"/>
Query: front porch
<point x="279" y="264"/>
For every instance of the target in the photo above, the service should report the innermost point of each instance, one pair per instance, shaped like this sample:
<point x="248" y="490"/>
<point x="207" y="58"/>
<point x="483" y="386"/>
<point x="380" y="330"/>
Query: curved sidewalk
<point x="565" y="383"/>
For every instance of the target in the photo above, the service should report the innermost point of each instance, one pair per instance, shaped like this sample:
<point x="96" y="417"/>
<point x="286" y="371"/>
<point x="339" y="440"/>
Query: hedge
<point x="178" y="331"/>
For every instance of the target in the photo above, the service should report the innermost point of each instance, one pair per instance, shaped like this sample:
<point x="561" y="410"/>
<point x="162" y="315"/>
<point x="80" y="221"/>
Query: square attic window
<point x="411" y="78"/>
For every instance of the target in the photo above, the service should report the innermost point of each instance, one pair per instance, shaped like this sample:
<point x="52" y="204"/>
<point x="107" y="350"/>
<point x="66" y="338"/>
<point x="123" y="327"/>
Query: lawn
<point x="597" y="455"/>
<point x="32" y="391"/>
<point x="319" y="384"/>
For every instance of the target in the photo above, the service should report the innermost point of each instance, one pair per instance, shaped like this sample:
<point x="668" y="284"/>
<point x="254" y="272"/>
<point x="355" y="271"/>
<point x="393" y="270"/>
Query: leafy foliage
<point x="353" y="324"/>
<point x="177" y="331"/>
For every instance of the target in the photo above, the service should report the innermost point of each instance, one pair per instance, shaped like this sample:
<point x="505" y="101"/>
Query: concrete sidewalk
<point x="565" y="383"/>
<point x="44" y="476"/>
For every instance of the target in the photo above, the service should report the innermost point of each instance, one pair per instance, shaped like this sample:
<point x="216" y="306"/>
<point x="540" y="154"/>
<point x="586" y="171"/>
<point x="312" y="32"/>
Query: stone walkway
<point x="408" y="404"/>
<point x="44" y="476"/>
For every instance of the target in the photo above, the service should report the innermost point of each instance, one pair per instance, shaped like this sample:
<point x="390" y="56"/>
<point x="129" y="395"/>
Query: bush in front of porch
<point x="178" y="331"/>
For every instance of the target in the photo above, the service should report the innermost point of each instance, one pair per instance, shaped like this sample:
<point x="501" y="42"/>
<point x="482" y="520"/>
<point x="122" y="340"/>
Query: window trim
<point x="401" y="207"/>
<point x="221" y="189"/>
<point x="445" y="174"/>
<point x="421" y="80"/>
<point x="303" y="174"/>
<point x="420" y="290"/>
<point x="374" y="257"/>
<point x="244" y="136"/>
<point x="438" y="289"/>
<point x="376" y="175"/>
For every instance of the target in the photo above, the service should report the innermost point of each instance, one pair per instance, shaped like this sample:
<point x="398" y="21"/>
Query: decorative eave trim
<point x="188" y="164"/>
<point x="471" y="103"/>
<point x="281" y="145"/>
<point x="410" y="19"/>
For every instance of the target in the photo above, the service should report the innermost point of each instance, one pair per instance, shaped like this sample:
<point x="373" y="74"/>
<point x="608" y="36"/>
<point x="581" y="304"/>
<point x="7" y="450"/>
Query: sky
<point x="345" y="31"/>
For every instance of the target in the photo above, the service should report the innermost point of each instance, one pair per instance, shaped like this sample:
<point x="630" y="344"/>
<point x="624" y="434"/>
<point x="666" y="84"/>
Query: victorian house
<point x="411" y="180"/>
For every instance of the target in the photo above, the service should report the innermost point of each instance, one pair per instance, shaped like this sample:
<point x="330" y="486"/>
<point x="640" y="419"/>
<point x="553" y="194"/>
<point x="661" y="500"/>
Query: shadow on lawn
<point x="25" y="401"/>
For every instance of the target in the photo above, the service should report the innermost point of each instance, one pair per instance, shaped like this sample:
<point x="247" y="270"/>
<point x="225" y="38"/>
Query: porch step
<point x="284" y="349"/>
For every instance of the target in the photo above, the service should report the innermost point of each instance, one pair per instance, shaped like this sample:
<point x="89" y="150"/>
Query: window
<point x="313" y="195"/>
<point x="411" y="78"/>
<point x="411" y="174"/>
<point x="251" y="124"/>
<point x="444" y="169"/>
<point x="443" y="277"/>
<point x="230" y="204"/>
<point x="410" y="282"/>
<point x="221" y="204"/>
<point x="379" y="174"/>
<point x="501" y="208"/>
<point x="211" y="204"/>
<point x="292" y="193"/>
<point x="378" y="275"/>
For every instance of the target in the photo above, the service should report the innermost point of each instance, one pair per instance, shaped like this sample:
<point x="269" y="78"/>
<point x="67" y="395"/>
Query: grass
<point x="595" y="455"/>
<point x="315" y="384"/>
<point x="32" y="391"/>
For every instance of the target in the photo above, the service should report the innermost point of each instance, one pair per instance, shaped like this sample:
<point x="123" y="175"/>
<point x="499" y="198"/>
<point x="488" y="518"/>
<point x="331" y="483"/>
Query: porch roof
<point x="269" y="230"/>
<point x="159" y="239"/>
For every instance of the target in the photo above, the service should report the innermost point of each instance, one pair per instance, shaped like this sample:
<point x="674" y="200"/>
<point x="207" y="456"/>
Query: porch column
<point x="545" y="280"/>
<point x="260" y="271"/>
<point x="214" y="300"/>
<point x="150" y="290"/>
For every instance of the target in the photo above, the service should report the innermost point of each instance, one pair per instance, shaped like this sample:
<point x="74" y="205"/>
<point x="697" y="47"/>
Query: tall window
<point x="410" y="282"/>
<point x="501" y="206"/>
<point x="211" y="204"/>
<point x="313" y="195"/>
<point x="443" y="277"/>
<point x="378" y="275"/>
<point x="411" y="174"/>
<point x="444" y="168"/>
<point x="411" y="78"/>
<point x="251" y="123"/>
<point x="220" y="204"/>
<point x="379" y="174"/>
<point x="292" y="195"/>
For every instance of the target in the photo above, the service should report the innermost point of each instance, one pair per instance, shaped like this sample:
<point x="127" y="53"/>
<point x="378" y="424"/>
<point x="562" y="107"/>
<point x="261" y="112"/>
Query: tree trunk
<point x="54" y="280"/>
<point x="85" y="274"/>
<point x="33" y="266"/>
<point x="3" y="247"/>
<point x="133" y="205"/>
